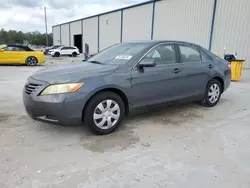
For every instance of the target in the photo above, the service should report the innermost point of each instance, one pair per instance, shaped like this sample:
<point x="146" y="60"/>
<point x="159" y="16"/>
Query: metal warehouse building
<point x="218" y="25"/>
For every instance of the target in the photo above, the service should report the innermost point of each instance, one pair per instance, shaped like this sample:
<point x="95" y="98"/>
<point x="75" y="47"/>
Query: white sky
<point x="28" y="15"/>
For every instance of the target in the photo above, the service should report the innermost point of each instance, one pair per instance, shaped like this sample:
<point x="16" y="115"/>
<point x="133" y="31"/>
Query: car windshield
<point x="54" y="47"/>
<point x="59" y="48"/>
<point x="118" y="54"/>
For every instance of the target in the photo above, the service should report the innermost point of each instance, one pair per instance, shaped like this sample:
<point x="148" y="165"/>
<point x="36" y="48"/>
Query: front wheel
<point x="74" y="54"/>
<point x="104" y="113"/>
<point x="213" y="93"/>
<point x="31" y="61"/>
<point x="57" y="54"/>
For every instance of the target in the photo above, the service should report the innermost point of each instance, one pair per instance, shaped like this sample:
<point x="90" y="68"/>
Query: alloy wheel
<point x="31" y="61"/>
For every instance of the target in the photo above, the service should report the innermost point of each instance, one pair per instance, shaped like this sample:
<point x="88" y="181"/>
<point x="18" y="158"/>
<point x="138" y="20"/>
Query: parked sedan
<point x="18" y="54"/>
<point x="122" y="78"/>
<point x="64" y="51"/>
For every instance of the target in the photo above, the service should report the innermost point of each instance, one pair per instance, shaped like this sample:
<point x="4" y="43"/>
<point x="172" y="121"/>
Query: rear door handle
<point x="176" y="71"/>
<point x="210" y="66"/>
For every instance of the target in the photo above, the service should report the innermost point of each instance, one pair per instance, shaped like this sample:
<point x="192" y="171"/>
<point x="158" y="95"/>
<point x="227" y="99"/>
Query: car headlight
<point x="61" y="88"/>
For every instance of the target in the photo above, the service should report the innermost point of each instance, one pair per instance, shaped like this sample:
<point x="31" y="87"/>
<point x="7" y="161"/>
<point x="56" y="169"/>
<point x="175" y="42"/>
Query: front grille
<point x="31" y="88"/>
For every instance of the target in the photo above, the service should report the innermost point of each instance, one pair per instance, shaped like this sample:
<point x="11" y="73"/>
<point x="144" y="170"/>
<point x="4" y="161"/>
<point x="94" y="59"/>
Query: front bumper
<point x="63" y="109"/>
<point x="42" y="60"/>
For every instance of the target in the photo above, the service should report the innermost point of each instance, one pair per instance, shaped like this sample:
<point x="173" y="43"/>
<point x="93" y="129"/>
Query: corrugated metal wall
<point x="110" y="29"/>
<point x="56" y="35"/>
<point x="173" y="20"/>
<point x="183" y="20"/>
<point x="90" y="34"/>
<point x="232" y="29"/>
<point x="137" y="23"/>
<point x="65" y="34"/>
<point x="75" y="29"/>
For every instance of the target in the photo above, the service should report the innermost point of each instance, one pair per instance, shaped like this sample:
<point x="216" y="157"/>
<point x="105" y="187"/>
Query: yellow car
<point x="17" y="54"/>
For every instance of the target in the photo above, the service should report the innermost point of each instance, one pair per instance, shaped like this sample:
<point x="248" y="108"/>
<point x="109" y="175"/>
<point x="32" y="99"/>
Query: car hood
<point x="72" y="73"/>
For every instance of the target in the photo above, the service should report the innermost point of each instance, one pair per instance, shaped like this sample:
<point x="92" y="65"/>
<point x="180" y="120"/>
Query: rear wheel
<point x="104" y="113"/>
<point x="31" y="61"/>
<point x="213" y="93"/>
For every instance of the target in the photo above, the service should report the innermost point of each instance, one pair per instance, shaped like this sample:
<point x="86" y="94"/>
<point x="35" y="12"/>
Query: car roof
<point x="16" y="45"/>
<point x="159" y="41"/>
<point x="20" y="46"/>
<point x="68" y="46"/>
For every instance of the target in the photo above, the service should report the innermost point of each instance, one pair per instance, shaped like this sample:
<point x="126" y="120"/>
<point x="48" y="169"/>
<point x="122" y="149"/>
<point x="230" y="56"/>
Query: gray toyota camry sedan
<point x="122" y="78"/>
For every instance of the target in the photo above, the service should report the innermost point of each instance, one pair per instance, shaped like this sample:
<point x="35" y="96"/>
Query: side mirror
<point x="1" y="50"/>
<point x="147" y="63"/>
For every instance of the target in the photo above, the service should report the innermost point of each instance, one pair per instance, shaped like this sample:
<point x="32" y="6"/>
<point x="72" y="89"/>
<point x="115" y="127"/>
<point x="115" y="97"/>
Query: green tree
<point x="18" y="37"/>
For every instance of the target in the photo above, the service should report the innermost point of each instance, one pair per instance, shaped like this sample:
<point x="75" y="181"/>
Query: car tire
<point x="57" y="54"/>
<point x="31" y="61"/>
<point x="104" y="113"/>
<point x="74" y="54"/>
<point x="213" y="93"/>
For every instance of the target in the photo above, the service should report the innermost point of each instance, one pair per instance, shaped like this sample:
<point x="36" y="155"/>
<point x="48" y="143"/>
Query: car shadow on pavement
<point x="21" y="65"/>
<point x="169" y="114"/>
<point x="11" y="65"/>
<point x="126" y="135"/>
<point x="80" y="136"/>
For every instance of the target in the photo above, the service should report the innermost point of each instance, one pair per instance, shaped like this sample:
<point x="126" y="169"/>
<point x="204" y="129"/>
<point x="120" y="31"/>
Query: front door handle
<point x="210" y="66"/>
<point x="176" y="71"/>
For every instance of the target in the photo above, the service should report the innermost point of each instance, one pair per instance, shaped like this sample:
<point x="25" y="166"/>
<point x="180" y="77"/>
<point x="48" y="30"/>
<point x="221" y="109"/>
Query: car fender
<point x="218" y="71"/>
<point x="89" y="95"/>
<point x="25" y="55"/>
<point x="90" y="92"/>
<point x="106" y="87"/>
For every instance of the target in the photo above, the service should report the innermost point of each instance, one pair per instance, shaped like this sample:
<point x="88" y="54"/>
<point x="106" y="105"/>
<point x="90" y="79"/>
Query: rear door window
<point x="205" y="57"/>
<point x="189" y="54"/>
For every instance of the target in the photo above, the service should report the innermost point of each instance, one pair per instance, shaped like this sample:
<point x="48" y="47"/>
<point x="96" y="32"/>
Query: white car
<point x="45" y="50"/>
<point x="64" y="50"/>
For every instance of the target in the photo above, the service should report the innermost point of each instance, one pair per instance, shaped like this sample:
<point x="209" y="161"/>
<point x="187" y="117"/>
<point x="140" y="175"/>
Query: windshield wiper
<point x="96" y="62"/>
